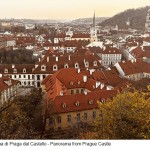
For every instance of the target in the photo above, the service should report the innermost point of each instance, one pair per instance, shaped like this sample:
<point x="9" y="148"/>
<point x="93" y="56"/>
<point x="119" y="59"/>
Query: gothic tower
<point x="147" y="23"/>
<point x="93" y="31"/>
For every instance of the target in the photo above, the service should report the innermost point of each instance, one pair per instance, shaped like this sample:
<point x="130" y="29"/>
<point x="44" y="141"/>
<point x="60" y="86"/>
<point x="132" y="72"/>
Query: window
<point x="28" y="76"/>
<point x="66" y="66"/>
<point x="103" y="100"/>
<point x="14" y="76"/>
<point x="85" y="116"/>
<point x="24" y="70"/>
<point x="82" y="90"/>
<point x="72" y="91"/>
<point x="44" y="76"/>
<point x="19" y="76"/>
<point x="32" y="76"/>
<point x="55" y="68"/>
<point x="95" y="63"/>
<point x="59" y="119"/>
<point x="38" y="77"/>
<point x="43" y="68"/>
<point x="15" y="71"/>
<point x="94" y="114"/>
<point x="78" y="117"/>
<point x="64" y="105"/>
<point x="77" y="103"/>
<point x="77" y="91"/>
<point x="24" y="76"/>
<point x="71" y="83"/>
<point x="6" y="71"/>
<point x="91" y="102"/>
<point x="76" y="65"/>
<point x="69" y="118"/>
<point x="86" y="64"/>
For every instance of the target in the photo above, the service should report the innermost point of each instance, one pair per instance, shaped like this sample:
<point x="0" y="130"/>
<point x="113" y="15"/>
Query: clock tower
<point x="93" y="31"/>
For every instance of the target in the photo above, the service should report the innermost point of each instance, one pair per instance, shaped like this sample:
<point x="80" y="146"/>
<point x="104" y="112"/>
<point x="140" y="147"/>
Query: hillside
<point x="137" y="19"/>
<point x="88" y="20"/>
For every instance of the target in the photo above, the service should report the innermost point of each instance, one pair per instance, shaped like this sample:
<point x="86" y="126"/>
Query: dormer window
<point x="15" y="71"/>
<point x="55" y="68"/>
<point x="103" y="100"/>
<point x="24" y="70"/>
<point x="64" y="105"/>
<point x="6" y="70"/>
<point x="87" y="64"/>
<point x="91" y="102"/>
<point x="71" y="83"/>
<point x="43" y="68"/>
<point x="76" y="65"/>
<point x="77" y="103"/>
<point x="66" y="66"/>
<point x="95" y="63"/>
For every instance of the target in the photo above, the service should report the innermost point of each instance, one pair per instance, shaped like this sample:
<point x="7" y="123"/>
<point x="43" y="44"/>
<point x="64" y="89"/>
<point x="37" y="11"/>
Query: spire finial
<point x="94" y="19"/>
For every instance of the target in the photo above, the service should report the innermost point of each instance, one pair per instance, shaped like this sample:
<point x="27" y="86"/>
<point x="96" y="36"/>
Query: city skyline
<point x="68" y="9"/>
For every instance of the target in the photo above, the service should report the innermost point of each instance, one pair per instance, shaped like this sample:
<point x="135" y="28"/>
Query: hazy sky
<point x="65" y="9"/>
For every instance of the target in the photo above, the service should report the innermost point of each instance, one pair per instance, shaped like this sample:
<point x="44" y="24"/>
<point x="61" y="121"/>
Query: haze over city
<point x="66" y="9"/>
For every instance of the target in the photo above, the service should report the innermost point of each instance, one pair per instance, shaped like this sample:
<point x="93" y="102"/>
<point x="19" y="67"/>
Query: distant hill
<point x="137" y="19"/>
<point x="88" y="20"/>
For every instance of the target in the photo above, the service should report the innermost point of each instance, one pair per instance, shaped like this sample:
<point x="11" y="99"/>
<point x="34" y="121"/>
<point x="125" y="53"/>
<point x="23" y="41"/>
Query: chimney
<point x="84" y="60"/>
<point x="84" y="78"/>
<point x="102" y="85"/>
<point x="97" y="84"/>
<point x="109" y="88"/>
<point x="69" y="57"/>
<point x="78" y="70"/>
<point x="0" y="75"/>
<point x="47" y="58"/>
<point x="56" y="58"/>
<point x="13" y="66"/>
<point x="39" y="59"/>
<point x="61" y="93"/>
<point x="85" y="92"/>
<point x="91" y="71"/>
<point x="36" y="65"/>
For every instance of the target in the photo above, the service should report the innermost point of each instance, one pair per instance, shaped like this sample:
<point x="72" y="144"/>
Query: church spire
<point x="94" y="19"/>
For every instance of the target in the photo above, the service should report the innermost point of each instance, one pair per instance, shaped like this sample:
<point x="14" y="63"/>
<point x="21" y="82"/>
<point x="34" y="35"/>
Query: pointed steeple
<point x="94" y="19"/>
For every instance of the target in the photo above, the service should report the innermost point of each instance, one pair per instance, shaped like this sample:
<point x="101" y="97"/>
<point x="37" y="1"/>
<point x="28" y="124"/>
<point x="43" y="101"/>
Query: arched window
<point x="77" y="103"/>
<point x="6" y="70"/>
<point x="24" y="70"/>
<point x="55" y="68"/>
<point x="43" y="68"/>
<point x="95" y="63"/>
<point x="87" y="64"/>
<point x="66" y="66"/>
<point x="76" y="65"/>
<point x="15" y="71"/>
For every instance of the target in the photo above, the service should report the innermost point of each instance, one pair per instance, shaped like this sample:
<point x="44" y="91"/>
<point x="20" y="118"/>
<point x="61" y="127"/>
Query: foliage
<point x="22" y="120"/>
<point x="20" y="56"/>
<point x="137" y="19"/>
<point x="126" y="117"/>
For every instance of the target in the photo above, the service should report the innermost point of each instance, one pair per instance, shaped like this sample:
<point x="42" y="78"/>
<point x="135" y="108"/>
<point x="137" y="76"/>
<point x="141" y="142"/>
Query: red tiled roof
<point x="111" y="50"/>
<point x="135" y="67"/>
<point x="83" y="100"/>
<point x="4" y="85"/>
<point x="81" y="36"/>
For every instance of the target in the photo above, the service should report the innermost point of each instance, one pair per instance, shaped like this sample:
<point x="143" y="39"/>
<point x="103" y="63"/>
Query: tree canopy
<point x="126" y="117"/>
